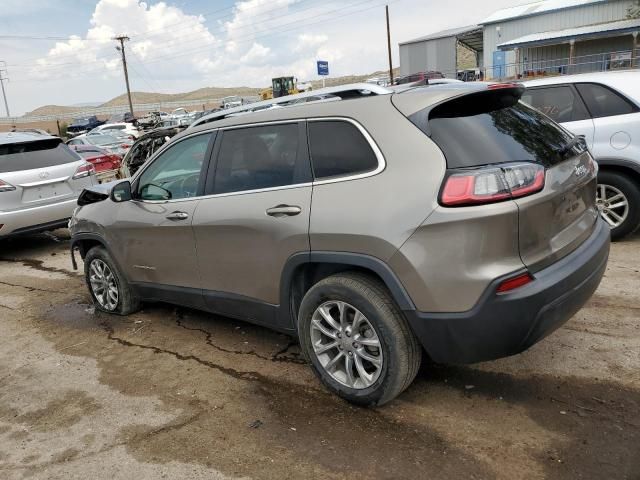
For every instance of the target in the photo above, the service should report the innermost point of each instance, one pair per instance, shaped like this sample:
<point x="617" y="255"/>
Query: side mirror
<point x="121" y="192"/>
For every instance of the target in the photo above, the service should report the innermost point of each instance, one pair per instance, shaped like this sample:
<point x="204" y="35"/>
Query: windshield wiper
<point x="576" y="140"/>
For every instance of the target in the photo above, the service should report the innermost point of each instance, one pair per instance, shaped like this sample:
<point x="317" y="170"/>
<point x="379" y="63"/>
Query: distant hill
<point x="199" y="94"/>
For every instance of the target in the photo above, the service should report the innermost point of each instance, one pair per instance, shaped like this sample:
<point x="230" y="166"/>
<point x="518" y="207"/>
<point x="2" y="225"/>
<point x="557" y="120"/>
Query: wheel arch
<point x="303" y="270"/>
<point x="83" y="242"/>
<point x="621" y="165"/>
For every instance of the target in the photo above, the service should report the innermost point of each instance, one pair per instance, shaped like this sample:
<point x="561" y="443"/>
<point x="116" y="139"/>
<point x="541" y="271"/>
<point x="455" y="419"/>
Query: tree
<point x="634" y="10"/>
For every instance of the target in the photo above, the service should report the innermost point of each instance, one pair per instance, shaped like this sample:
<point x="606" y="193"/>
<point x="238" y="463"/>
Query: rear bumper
<point x="506" y="324"/>
<point x="35" y="219"/>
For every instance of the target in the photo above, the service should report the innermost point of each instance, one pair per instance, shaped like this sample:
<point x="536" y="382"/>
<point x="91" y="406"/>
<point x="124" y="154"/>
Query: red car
<point x="101" y="160"/>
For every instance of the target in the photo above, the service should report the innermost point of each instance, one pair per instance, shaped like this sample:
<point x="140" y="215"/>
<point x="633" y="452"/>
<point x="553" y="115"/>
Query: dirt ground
<point x="175" y="393"/>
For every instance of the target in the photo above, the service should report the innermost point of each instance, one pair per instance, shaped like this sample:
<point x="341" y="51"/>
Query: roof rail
<point x="352" y="90"/>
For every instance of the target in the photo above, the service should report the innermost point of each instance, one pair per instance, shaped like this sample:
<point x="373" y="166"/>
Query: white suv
<point x="605" y="108"/>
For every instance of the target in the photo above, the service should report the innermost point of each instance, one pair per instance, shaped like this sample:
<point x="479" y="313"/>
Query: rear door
<point x="564" y="105"/>
<point x="255" y="216"/>
<point x="39" y="172"/>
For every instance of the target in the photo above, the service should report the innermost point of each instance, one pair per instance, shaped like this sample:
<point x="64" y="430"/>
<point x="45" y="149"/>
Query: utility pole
<point x="389" y="45"/>
<point x="122" y="39"/>
<point x="2" y="79"/>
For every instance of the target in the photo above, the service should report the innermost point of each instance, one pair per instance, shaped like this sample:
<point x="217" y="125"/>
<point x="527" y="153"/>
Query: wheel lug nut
<point x="355" y="345"/>
<point x="351" y="354"/>
<point x="339" y="335"/>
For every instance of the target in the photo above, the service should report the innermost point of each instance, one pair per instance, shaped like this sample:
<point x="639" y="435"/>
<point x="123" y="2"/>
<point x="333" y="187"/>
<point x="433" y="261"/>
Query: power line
<point x="137" y="39"/>
<point x="278" y="31"/>
<point x="32" y="37"/>
<point x="253" y="25"/>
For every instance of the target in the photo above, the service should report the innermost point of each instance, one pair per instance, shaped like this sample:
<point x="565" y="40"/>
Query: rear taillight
<point x="6" y="187"/>
<point x="514" y="282"/>
<point x="492" y="184"/>
<point x="84" y="171"/>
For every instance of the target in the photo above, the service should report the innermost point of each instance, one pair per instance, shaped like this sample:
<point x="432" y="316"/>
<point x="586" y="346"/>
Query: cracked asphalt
<point x="175" y="393"/>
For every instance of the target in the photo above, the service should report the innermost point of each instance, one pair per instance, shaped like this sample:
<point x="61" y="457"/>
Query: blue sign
<point x="323" y="67"/>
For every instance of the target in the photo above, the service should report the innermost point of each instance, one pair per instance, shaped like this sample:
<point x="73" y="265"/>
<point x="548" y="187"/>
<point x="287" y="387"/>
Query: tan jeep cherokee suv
<point x="372" y="224"/>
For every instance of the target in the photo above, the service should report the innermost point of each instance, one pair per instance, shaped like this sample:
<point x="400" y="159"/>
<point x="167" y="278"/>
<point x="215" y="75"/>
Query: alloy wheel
<point x="612" y="205"/>
<point x="346" y="344"/>
<point x="103" y="284"/>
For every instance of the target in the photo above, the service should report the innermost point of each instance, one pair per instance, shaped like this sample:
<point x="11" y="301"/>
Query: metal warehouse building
<point x="539" y="38"/>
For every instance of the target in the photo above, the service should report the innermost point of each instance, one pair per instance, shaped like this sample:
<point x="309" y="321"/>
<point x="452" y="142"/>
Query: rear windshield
<point x="487" y="128"/>
<point x="41" y="154"/>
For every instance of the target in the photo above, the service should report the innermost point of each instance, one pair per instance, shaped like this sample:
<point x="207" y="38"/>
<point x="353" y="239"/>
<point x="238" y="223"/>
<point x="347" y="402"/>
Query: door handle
<point x="177" y="216"/>
<point x="283" y="210"/>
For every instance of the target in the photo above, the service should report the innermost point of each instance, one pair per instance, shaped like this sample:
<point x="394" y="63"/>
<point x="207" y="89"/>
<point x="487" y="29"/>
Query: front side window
<point x="560" y="103"/>
<point x="604" y="102"/>
<point x="176" y="172"/>
<point x="254" y="158"/>
<point x="338" y="148"/>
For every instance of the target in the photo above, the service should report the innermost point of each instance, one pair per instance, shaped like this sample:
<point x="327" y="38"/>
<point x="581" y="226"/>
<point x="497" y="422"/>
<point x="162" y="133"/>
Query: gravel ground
<point x="175" y="393"/>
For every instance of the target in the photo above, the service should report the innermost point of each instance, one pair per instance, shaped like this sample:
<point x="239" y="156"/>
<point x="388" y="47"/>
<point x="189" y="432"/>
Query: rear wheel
<point x="618" y="200"/>
<point x="357" y="340"/>
<point x="108" y="287"/>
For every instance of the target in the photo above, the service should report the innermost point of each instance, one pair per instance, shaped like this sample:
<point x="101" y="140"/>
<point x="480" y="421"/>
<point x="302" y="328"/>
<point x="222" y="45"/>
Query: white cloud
<point x="257" y="55"/>
<point x="307" y="42"/>
<point x="155" y="30"/>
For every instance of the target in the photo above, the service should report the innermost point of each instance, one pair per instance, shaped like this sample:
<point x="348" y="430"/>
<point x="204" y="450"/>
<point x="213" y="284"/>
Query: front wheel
<point x="357" y="340"/>
<point x="109" y="289"/>
<point x="618" y="200"/>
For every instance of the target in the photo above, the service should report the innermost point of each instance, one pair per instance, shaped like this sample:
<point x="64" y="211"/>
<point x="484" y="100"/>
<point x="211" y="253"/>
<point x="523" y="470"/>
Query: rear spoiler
<point x="466" y="103"/>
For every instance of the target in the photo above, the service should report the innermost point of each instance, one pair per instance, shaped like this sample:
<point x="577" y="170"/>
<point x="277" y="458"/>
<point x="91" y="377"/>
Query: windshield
<point x="102" y="139"/>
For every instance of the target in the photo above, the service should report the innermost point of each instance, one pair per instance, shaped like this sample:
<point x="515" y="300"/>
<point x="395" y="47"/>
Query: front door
<point x="153" y="235"/>
<point x="255" y="217"/>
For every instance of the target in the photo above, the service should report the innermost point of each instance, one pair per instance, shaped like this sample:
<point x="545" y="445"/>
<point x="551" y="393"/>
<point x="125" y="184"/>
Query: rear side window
<point x="254" y="158"/>
<point x="561" y="103"/>
<point x="604" y="102"/>
<point x="338" y="148"/>
<point x="482" y="129"/>
<point x="31" y="155"/>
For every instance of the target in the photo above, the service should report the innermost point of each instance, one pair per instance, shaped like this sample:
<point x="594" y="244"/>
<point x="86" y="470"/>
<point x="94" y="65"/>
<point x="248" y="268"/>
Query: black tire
<point x="127" y="302"/>
<point x="629" y="189"/>
<point x="402" y="353"/>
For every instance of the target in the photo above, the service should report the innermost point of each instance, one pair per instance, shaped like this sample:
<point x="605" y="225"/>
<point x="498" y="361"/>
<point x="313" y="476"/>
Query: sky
<point x="62" y="52"/>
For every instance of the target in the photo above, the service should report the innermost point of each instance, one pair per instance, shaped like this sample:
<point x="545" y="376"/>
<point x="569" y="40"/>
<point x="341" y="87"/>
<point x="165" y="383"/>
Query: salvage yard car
<point x="145" y="147"/>
<point x="83" y="125"/>
<point x="107" y="165"/>
<point x="40" y="180"/>
<point x="128" y="129"/>
<point x="605" y="108"/>
<point x="111" y="143"/>
<point x="450" y="218"/>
